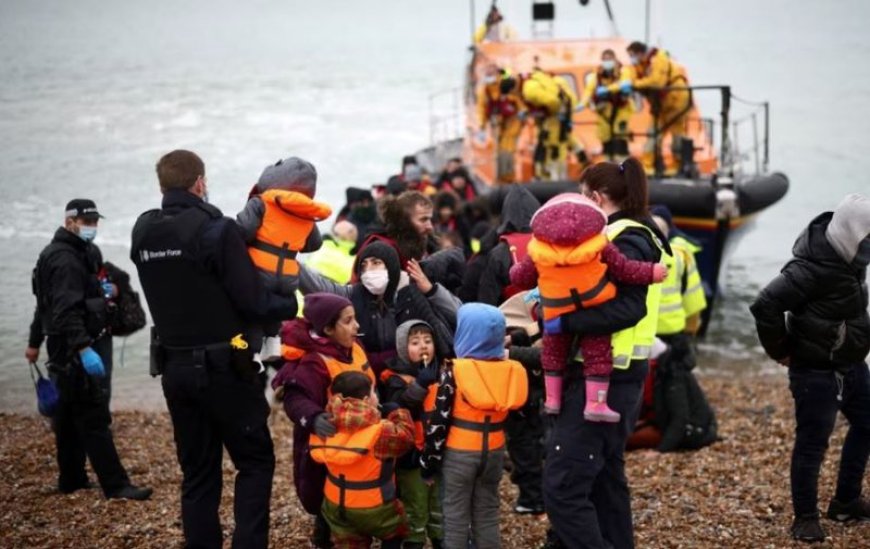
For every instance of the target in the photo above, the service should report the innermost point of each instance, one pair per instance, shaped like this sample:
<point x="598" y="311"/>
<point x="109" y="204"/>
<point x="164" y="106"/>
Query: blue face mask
<point x="608" y="64"/>
<point x="88" y="234"/>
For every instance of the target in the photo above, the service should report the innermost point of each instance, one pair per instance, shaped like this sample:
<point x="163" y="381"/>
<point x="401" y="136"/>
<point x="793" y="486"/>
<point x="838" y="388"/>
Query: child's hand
<point x="660" y="272"/>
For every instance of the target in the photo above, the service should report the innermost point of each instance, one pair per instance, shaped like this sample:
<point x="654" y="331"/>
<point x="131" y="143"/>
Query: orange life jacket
<point x="288" y="220"/>
<point x="359" y="363"/>
<point x="355" y="479"/>
<point x="486" y="390"/>
<point x="571" y="278"/>
<point x="428" y="406"/>
<point x="518" y="246"/>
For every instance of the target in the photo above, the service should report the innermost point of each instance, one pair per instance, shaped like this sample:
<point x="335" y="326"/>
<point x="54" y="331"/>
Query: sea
<point x="92" y="93"/>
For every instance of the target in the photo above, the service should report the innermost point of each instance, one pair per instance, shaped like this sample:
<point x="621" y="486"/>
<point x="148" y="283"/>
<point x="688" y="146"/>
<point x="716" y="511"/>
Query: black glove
<point x="428" y="374"/>
<point x="323" y="425"/>
<point x="388" y="407"/>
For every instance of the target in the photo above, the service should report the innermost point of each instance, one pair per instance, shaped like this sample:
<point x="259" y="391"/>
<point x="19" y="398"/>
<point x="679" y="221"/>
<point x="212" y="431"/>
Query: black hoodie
<point x="519" y="207"/>
<point x="815" y="310"/>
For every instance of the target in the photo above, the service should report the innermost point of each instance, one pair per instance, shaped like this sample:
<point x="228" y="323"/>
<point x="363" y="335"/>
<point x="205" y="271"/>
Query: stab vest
<point x="188" y="304"/>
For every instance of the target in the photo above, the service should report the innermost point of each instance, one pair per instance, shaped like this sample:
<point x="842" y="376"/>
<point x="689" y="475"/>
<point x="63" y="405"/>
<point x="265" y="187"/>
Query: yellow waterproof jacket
<point x="486" y="390"/>
<point x="658" y="71"/>
<point x="549" y="93"/>
<point x="600" y="78"/>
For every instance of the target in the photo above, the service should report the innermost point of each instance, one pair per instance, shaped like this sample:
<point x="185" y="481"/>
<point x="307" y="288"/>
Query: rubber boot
<point x="553" y="391"/>
<point x="597" y="409"/>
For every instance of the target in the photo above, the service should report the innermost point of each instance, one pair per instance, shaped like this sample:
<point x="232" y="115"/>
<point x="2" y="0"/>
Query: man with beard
<point x="407" y="220"/>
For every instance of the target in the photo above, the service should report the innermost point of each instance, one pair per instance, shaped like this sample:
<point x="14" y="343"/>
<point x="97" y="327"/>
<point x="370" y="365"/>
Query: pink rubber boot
<point x="552" y="392"/>
<point x="597" y="409"/>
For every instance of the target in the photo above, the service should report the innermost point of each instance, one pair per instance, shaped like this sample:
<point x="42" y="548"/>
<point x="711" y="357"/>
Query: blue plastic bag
<point x="46" y="392"/>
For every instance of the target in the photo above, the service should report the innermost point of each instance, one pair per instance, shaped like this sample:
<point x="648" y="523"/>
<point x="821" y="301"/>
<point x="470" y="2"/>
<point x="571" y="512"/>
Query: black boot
<point x="807" y="529"/>
<point x="857" y="509"/>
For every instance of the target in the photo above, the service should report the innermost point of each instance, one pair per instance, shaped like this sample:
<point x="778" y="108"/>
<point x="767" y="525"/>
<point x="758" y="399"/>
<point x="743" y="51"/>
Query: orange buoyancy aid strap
<point x="282" y="252"/>
<point x="384" y="481"/>
<point x="359" y="363"/>
<point x="576" y="298"/>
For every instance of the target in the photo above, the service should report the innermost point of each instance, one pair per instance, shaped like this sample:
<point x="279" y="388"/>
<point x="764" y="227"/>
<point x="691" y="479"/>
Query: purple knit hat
<point x="321" y="309"/>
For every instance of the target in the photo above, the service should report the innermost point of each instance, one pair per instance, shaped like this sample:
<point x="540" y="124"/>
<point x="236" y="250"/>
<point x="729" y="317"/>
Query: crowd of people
<point x="434" y="342"/>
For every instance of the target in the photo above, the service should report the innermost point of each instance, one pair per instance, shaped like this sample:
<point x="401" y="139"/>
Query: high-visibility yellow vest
<point x="694" y="299"/>
<point x="672" y="317"/>
<point x="635" y="343"/>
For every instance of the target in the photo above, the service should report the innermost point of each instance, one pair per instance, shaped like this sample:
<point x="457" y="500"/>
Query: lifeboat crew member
<point x="603" y="92"/>
<point x="653" y="69"/>
<point x="551" y="101"/>
<point x="500" y="104"/>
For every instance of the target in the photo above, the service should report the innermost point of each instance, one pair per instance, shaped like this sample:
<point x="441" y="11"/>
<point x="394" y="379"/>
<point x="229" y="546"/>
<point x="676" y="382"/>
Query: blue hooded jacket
<point x="480" y="332"/>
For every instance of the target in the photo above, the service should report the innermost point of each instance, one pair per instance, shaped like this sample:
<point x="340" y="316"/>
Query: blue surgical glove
<point x="625" y="87"/>
<point x="553" y="326"/>
<point x="108" y="289"/>
<point x="92" y="362"/>
<point x="601" y="91"/>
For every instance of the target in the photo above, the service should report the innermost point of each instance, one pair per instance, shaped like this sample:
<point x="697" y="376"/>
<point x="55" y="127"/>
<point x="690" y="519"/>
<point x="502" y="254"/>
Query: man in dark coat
<point x="71" y="313"/>
<point x="812" y="318"/>
<point x="519" y="207"/>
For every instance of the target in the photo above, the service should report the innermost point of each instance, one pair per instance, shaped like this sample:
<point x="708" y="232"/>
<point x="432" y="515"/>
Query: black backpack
<point x="682" y="411"/>
<point x="127" y="315"/>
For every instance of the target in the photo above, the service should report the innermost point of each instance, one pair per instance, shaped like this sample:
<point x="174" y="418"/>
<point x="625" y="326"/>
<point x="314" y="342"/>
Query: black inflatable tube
<point x="685" y="198"/>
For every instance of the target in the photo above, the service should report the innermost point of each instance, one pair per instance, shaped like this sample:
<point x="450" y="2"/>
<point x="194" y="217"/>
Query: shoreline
<point x="734" y="493"/>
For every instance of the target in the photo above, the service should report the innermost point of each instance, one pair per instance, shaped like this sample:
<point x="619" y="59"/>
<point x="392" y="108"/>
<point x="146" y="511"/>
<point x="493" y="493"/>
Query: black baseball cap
<point x="82" y="207"/>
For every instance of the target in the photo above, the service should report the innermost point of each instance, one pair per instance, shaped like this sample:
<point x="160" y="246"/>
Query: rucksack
<point x="127" y="316"/>
<point x="682" y="412"/>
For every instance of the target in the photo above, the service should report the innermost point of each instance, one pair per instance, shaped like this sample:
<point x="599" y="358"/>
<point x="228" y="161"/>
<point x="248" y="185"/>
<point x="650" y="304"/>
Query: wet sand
<point x="734" y="494"/>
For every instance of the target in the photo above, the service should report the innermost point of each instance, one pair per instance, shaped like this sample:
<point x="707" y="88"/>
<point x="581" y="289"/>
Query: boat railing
<point x="446" y="110"/>
<point x="731" y="158"/>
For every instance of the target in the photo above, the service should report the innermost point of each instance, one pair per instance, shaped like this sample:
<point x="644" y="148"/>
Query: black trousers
<point x="525" y="443"/>
<point x="815" y="397"/>
<point x="81" y="425"/>
<point x="585" y="489"/>
<point x="211" y="408"/>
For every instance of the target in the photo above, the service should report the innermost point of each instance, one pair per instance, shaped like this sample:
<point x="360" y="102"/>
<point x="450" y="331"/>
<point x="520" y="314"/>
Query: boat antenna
<point x="646" y="27"/>
<point x="610" y="16"/>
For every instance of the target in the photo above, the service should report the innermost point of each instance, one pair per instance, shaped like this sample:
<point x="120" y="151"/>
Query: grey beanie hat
<point x="402" y="337"/>
<point x="849" y="230"/>
<point x="290" y="174"/>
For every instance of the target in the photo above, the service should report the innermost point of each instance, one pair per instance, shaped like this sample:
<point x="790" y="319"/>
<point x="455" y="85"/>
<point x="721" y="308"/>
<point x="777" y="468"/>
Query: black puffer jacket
<point x="815" y="311"/>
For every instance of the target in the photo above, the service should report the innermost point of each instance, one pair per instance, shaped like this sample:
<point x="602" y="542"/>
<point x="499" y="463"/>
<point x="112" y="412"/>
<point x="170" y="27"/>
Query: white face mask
<point x="376" y="281"/>
<point x="608" y="64"/>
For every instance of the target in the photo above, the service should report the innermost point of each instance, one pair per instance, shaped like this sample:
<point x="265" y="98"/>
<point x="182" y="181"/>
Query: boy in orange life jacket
<point x="572" y="263"/>
<point x="279" y="222"/>
<point x="465" y="436"/>
<point x="360" y="491"/>
<point x="409" y="380"/>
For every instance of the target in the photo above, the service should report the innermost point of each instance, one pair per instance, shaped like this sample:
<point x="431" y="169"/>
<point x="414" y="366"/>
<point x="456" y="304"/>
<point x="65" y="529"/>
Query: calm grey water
<point x="93" y="92"/>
